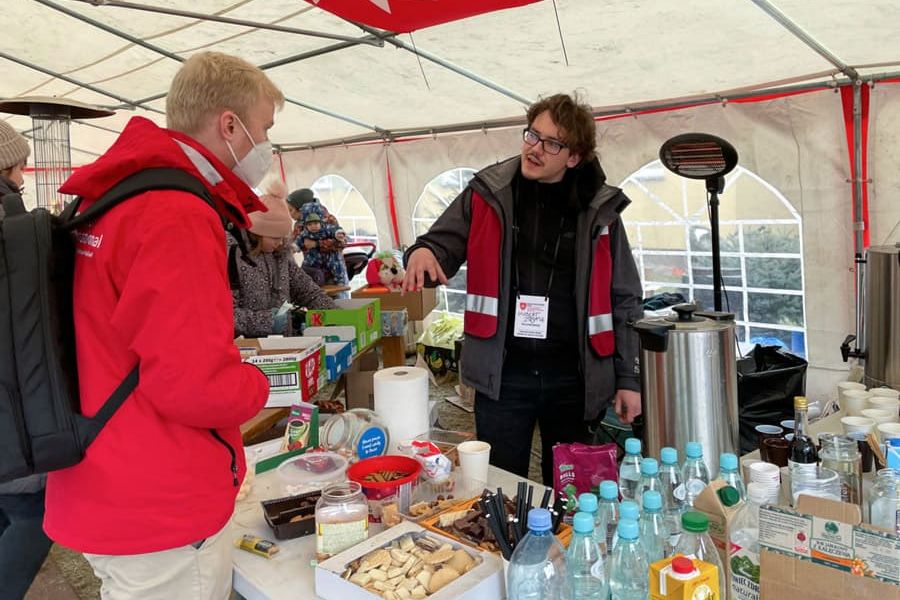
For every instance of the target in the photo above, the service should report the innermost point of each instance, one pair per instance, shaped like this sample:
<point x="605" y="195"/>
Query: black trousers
<point x="23" y="543"/>
<point x="551" y="396"/>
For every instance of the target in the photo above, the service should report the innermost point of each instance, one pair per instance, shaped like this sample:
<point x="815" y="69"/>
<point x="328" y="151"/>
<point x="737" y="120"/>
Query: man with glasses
<point x="551" y="287"/>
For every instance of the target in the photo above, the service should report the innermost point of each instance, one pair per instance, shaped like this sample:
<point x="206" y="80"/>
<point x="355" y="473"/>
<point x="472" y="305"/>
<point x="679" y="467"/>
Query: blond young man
<point x="150" y="504"/>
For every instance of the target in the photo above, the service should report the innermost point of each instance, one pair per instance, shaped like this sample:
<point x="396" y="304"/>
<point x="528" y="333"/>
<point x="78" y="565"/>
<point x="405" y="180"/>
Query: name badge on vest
<point x="532" y="313"/>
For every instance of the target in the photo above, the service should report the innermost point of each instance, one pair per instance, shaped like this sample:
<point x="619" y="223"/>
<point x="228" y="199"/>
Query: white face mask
<point x="257" y="162"/>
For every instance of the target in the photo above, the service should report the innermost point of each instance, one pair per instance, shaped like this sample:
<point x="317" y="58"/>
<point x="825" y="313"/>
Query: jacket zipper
<point x="234" y="469"/>
<point x="24" y="439"/>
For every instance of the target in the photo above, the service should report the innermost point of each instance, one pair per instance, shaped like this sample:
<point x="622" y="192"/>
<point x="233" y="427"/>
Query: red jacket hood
<point x="144" y="145"/>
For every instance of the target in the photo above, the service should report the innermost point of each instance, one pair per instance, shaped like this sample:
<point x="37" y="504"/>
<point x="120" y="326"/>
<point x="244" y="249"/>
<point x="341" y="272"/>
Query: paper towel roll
<point x="401" y="400"/>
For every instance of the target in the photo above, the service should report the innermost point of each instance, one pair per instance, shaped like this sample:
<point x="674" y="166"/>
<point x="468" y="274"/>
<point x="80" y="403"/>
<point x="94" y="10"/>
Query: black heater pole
<point x="714" y="186"/>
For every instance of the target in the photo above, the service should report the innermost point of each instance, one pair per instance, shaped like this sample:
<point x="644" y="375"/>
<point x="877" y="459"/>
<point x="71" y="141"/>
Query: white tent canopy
<point x="473" y="78"/>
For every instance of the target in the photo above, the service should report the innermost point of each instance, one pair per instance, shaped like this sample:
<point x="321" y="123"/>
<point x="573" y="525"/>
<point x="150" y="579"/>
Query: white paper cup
<point x="745" y="466"/>
<point x="888" y="431"/>
<point x="857" y="425"/>
<point x="885" y="403"/>
<point x="885" y="392"/>
<point x="763" y="472"/>
<point x="880" y="415"/>
<point x="853" y="402"/>
<point x="848" y="385"/>
<point x="474" y="457"/>
<point x="787" y="425"/>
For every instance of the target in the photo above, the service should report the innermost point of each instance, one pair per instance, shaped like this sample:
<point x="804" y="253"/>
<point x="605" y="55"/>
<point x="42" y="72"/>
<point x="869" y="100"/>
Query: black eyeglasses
<point x="550" y="146"/>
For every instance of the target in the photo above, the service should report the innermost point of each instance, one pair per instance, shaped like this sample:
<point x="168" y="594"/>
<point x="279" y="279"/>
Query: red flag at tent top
<point x="403" y="16"/>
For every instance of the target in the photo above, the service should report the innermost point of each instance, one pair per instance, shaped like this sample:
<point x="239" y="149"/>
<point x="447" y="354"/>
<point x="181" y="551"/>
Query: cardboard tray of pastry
<point x="407" y="562"/>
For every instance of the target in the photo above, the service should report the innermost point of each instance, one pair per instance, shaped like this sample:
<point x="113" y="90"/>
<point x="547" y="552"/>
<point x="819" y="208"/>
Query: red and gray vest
<point x="483" y="281"/>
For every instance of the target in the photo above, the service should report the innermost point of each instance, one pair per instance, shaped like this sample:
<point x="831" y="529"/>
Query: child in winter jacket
<point x="322" y="244"/>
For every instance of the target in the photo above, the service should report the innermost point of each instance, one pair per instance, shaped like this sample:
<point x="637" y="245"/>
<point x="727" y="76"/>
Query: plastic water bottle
<point x="537" y="568"/>
<point x="673" y="493"/>
<point x="628" y="568"/>
<point x="695" y="473"/>
<point x="587" y="503"/>
<point x="628" y="509"/>
<point x="653" y="530"/>
<point x="585" y="562"/>
<point x="744" y="548"/>
<point x="630" y="469"/>
<point x="649" y="478"/>
<point x="695" y="542"/>
<point x="608" y="509"/>
<point x="730" y="474"/>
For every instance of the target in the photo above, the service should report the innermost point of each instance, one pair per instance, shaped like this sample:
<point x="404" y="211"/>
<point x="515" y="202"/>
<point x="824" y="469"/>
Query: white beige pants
<point x="184" y="573"/>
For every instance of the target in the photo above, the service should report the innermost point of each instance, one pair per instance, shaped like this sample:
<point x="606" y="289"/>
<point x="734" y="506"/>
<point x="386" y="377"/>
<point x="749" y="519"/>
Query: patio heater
<point x="52" y="158"/>
<point x="708" y="158"/>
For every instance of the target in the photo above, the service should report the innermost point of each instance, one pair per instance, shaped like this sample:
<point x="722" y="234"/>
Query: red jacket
<point x="151" y="286"/>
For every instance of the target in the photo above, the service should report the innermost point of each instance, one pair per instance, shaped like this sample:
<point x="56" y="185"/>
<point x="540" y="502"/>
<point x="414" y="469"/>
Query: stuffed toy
<point x="384" y="270"/>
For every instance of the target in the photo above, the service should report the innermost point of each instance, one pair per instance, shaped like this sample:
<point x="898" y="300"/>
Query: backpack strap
<point x="90" y="428"/>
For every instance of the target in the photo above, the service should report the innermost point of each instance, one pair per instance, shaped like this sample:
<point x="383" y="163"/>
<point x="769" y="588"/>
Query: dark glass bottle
<point x="802" y="452"/>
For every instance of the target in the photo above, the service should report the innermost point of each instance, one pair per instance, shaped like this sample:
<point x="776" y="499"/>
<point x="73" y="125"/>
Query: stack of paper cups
<point x="768" y="476"/>
<point x="401" y="400"/>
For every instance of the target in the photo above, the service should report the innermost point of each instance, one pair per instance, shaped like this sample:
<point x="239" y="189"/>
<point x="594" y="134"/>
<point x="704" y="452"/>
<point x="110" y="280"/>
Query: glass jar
<point x="841" y="454"/>
<point x="342" y="519"/>
<point x="884" y="501"/>
<point x="357" y="434"/>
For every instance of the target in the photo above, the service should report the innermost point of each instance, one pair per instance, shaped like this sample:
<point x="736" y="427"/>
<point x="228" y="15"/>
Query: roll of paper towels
<point x="401" y="400"/>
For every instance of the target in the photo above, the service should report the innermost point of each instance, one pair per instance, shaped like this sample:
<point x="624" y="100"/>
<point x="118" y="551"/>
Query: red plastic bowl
<point x="376" y="490"/>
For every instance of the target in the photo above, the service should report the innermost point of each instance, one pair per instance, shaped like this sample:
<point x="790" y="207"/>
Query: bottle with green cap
<point x="628" y="566"/>
<point x="695" y="542"/>
<point x="585" y="564"/>
<point x="731" y="474"/>
<point x="654" y="532"/>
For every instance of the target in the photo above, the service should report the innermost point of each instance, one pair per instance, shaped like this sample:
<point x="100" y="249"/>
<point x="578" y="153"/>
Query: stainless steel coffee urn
<point x="689" y="382"/>
<point x="882" y="317"/>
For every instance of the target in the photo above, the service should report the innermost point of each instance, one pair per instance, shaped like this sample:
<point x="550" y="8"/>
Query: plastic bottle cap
<point x="652" y="500"/>
<point x="629" y="509"/>
<point x="628" y="529"/>
<point x="682" y="565"/>
<point x="695" y="522"/>
<point x="587" y="503"/>
<point x="893" y="442"/>
<point x="669" y="456"/>
<point x="539" y="519"/>
<point x="729" y="496"/>
<point x="757" y="493"/>
<point x="728" y="461"/>
<point x="609" y="490"/>
<point x="649" y="467"/>
<point x="633" y="446"/>
<point x="693" y="450"/>
<point x="583" y="522"/>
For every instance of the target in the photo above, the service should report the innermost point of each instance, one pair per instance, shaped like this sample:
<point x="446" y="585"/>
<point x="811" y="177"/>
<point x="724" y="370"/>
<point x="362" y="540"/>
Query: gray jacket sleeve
<point x="627" y="307"/>
<point x="304" y="291"/>
<point x="30" y="484"/>
<point x="448" y="238"/>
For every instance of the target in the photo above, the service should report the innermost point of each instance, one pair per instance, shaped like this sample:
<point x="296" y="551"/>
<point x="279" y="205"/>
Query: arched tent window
<point x="345" y="202"/>
<point x="761" y="243"/>
<point x="434" y="199"/>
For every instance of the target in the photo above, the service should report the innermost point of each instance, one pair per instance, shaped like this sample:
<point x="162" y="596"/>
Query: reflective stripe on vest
<point x="600" y="323"/>
<point x="483" y="277"/>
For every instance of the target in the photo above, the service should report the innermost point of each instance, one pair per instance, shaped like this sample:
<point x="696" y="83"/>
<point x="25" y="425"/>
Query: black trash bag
<point x="768" y="379"/>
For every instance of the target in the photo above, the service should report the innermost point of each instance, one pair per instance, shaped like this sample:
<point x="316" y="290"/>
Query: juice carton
<point x="682" y="578"/>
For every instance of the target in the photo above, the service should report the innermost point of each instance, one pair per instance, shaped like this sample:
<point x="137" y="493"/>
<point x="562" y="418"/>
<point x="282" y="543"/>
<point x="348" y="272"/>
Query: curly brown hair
<point x="574" y="119"/>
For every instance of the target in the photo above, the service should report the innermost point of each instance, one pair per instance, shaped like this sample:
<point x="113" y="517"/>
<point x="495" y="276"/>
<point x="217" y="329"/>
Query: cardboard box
<point x="821" y="551"/>
<point x="338" y="358"/>
<point x="360" y="382"/>
<point x="295" y="366"/>
<point x="665" y="587"/>
<point x="485" y="580"/>
<point x="720" y="519"/>
<point x="335" y="334"/>
<point x="417" y="304"/>
<point x="364" y="315"/>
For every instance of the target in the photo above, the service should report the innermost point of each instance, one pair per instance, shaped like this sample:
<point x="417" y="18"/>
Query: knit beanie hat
<point x="13" y="147"/>
<point x="275" y="222"/>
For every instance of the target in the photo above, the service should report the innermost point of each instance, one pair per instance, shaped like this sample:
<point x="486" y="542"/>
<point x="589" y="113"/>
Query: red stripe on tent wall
<point x="392" y="205"/>
<point x="847" y="101"/>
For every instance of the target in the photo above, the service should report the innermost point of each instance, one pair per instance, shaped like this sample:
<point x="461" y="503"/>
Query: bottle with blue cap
<point x="884" y="497"/>
<point x="654" y="531"/>
<point x="628" y="509"/>
<point x="730" y="474"/>
<point x="649" y="478"/>
<point x="608" y="512"/>
<point x="537" y="567"/>
<point x="672" y="492"/>
<point x="588" y="503"/>
<point x="695" y="473"/>
<point x="630" y="469"/>
<point x="628" y="566"/>
<point x="585" y="563"/>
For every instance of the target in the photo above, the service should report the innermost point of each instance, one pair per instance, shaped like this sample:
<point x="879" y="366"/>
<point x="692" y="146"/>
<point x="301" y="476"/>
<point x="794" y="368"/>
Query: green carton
<point x="363" y="315"/>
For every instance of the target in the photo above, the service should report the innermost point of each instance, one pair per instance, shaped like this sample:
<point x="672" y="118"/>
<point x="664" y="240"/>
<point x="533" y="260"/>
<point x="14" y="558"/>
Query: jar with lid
<point x="841" y="454"/>
<point x="357" y="434"/>
<point x="884" y="501"/>
<point x="342" y="519"/>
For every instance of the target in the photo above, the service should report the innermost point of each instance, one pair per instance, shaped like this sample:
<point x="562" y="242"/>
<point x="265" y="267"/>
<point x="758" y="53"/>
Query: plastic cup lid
<point x="583" y="522"/>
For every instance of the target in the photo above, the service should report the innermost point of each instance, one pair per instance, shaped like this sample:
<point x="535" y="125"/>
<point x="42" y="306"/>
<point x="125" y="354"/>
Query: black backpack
<point x="41" y="428"/>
